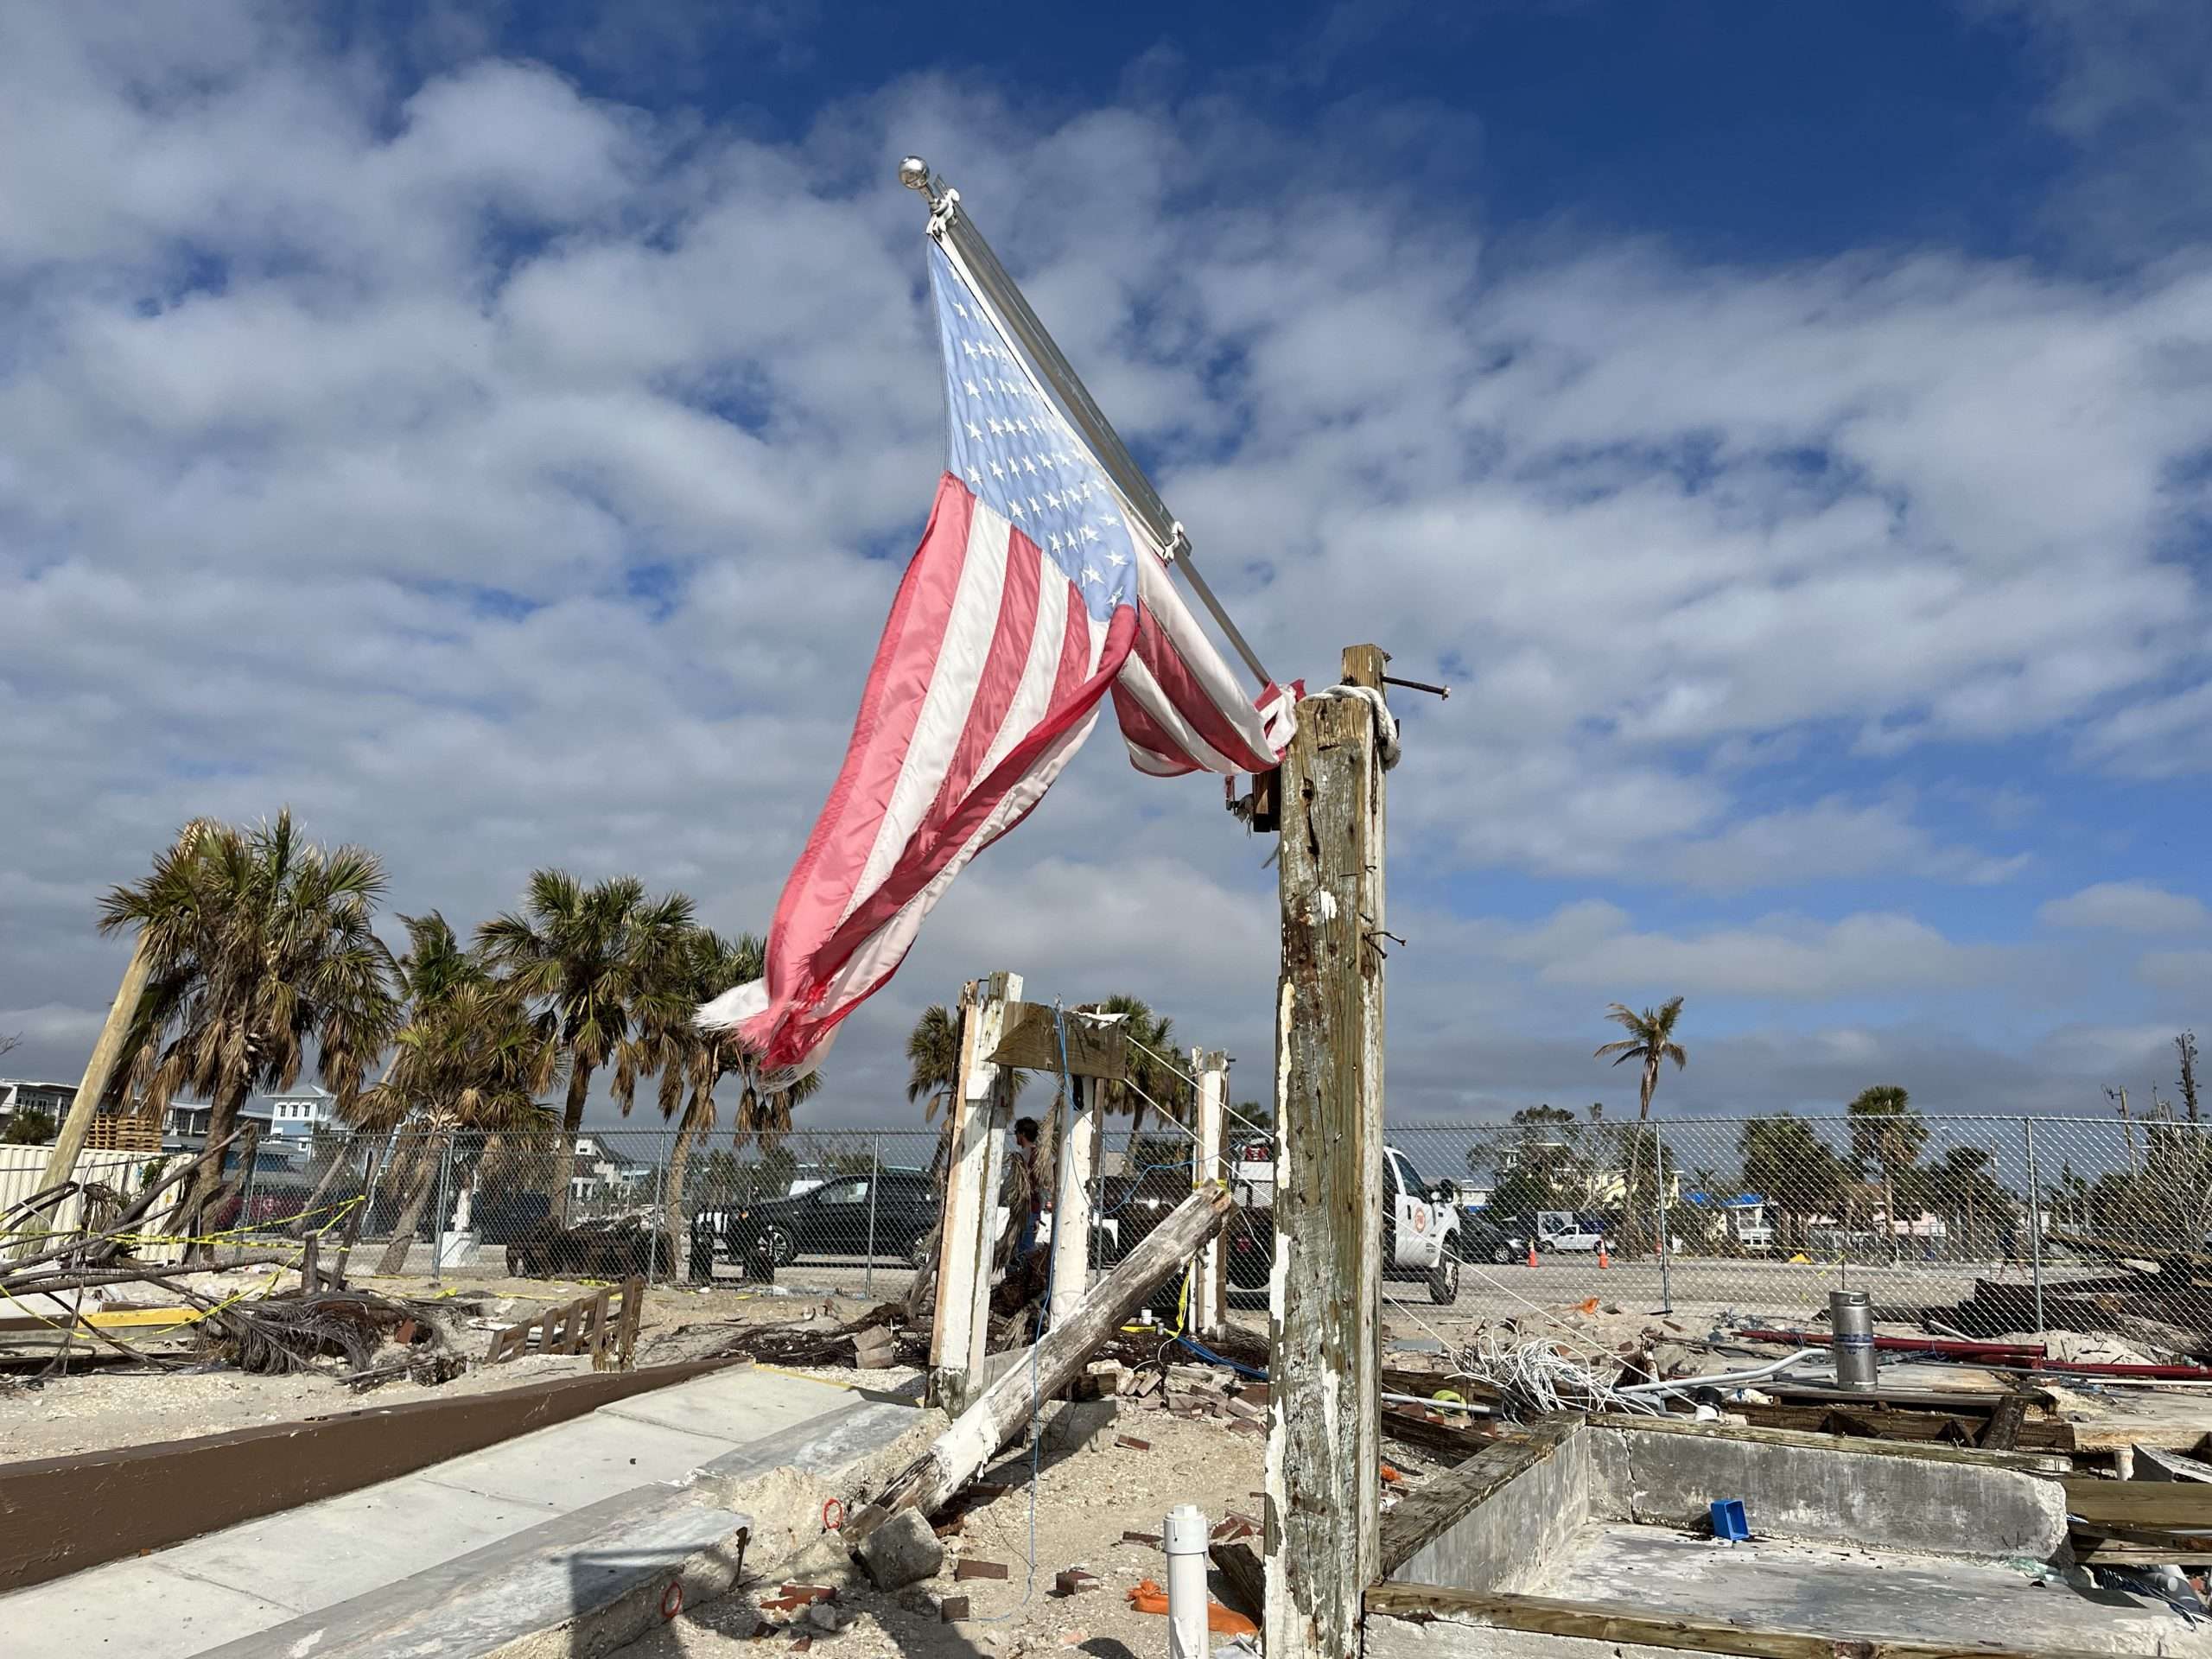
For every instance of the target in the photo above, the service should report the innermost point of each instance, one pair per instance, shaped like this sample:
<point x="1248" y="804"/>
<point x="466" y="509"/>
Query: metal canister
<point x="1851" y="1337"/>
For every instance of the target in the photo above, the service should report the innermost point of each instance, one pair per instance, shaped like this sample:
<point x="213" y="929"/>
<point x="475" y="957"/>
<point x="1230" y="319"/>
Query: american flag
<point x="1032" y="595"/>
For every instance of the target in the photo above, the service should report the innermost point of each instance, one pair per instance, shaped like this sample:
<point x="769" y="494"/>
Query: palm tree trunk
<point x="572" y="1121"/>
<point x="207" y="1179"/>
<point x="679" y="1160"/>
<point x="1889" y="1214"/>
<point x="308" y="1219"/>
<point x="403" y="1230"/>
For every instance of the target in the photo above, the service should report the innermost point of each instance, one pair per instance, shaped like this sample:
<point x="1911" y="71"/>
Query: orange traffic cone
<point x="1532" y="1253"/>
<point x="1603" y="1261"/>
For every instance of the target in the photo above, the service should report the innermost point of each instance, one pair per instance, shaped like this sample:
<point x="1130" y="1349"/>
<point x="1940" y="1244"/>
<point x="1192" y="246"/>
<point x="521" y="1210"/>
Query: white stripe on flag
<point x="959" y="668"/>
<point x="880" y="952"/>
<point x="1136" y="679"/>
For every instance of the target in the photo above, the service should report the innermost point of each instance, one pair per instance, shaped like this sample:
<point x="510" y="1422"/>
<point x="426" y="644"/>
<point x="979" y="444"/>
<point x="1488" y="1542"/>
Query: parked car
<point x="831" y="1218"/>
<point x="1481" y="1236"/>
<point x="1563" y="1229"/>
<point x="1420" y="1221"/>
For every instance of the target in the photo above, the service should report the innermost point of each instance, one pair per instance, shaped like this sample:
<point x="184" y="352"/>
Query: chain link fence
<point x="1985" y="1225"/>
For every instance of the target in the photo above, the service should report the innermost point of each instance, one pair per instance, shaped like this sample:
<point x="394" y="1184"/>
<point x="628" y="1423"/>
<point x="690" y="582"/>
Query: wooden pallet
<point x="603" y="1325"/>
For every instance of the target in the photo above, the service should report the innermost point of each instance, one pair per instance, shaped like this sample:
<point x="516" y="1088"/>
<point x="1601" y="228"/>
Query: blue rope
<point x="1212" y="1358"/>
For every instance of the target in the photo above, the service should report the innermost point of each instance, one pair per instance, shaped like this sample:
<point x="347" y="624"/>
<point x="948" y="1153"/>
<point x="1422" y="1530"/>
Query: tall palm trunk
<point x="403" y="1230"/>
<point x="679" y="1160"/>
<point x="1889" y="1215"/>
<point x="572" y="1122"/>
<point x="193" y="1211"/>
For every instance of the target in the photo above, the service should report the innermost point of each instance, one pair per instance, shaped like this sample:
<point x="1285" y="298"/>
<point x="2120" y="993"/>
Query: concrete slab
<point x="1892" y="1595"/>
<point x="580" y="1463"/>
<point x="735" y="1407"/>
<point x="583" y="1524"/>
<point x="322" y="1554"/>
<point x="127" y="1608"/>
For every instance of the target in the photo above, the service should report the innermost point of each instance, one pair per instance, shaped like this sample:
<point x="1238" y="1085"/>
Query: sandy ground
<point x="1084" y="1502"/>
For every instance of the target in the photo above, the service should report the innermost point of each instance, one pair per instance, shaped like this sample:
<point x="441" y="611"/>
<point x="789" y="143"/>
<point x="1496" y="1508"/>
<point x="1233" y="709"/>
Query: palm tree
<point x="1154" y="1079"/>
<point x="259" y="943"/>
<point x="933" y="1059"/>
<point x="594" y="962"/>
<point x="692" y="1063"/>
<point x="1650" y="1039"/>
<point x="470" y="1058"/>
<point x="1885" y="1130"/>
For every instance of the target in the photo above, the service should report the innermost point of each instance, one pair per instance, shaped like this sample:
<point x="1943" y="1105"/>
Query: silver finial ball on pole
<point x="914" y="174"/>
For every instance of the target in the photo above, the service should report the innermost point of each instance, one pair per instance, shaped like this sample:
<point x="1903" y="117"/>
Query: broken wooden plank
<point x="1003" y="1408"/>
<point x="2140" y="1502"/>
<point x="1031" y="1042"/>
<point x="2003" y="1434"/>
<point x="1549" y="1615"/>
<point x="1243" y="1576"/>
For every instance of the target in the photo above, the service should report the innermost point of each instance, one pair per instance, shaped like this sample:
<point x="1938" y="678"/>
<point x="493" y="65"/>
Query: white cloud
<point x="2126" y="908"/>
<point x="504" y="476"/>
<point x="2186" y="972"/>
<point x="1593" y="946"/>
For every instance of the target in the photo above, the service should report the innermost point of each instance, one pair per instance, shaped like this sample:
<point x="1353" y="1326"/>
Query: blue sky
<point x="493" y="430"/>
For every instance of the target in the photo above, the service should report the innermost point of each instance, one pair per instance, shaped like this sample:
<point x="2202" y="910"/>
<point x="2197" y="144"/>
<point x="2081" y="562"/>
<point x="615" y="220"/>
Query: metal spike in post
<point x="955" y="230"/>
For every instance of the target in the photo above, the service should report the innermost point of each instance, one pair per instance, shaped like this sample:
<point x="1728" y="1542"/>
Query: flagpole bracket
<point x="1178" y="542"/>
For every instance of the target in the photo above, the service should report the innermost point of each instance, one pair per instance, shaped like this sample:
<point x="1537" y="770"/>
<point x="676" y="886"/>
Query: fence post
<point x="1659" y="1196"/>
<point x="659" y="1218"/>
<point x="2035" y="1218"/>
<point x="1209" y="1294"/>
<point x="438" y="1220"/>
<point x="874" y="1179"/>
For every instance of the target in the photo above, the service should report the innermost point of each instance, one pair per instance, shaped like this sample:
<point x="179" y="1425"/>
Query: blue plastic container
<point x="1728" y="1523"/>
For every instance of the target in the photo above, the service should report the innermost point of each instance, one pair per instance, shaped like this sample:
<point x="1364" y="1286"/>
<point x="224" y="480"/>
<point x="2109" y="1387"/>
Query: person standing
<point x="1025" y="1153"/>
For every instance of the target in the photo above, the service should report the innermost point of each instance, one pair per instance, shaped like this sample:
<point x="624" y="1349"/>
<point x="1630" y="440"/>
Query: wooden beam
<point x="1030" y="1041"/>
<point x="2180" y="1504"/>
<point x="1072" y="1200"/>
<point x="980" y="1100"/>
<point x="1323" y="1433"/>
<point x="1209" y="1293"/>
<point x="1043" y="1370"/>
<point x="61" y="1162"/>
<point x="1548" y="1615"/>
<point x="63" y="1515"/>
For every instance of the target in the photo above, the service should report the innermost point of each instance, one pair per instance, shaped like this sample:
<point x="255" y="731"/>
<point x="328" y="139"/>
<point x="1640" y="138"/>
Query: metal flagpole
<point x="950" y="224"/>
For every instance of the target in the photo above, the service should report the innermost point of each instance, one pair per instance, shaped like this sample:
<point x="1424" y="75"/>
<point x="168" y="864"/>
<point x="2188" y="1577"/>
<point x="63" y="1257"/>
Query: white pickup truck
<point x="1419" y="1219"/>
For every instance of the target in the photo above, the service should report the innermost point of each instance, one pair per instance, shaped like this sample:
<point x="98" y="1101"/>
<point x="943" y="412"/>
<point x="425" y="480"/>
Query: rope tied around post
<point x="1386" y="724"/>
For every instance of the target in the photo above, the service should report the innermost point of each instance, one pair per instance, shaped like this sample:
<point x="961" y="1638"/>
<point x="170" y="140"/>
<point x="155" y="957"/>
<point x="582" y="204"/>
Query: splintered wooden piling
<point x="1323" y="1433"/>
<point x="982" y="1107"/>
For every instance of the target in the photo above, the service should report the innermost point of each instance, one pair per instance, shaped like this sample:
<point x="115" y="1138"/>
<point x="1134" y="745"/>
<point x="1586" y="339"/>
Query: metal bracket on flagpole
<point x="957" y="231"/>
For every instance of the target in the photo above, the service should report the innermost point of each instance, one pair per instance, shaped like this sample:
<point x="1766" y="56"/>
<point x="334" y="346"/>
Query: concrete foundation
<point x="1594" y="1540"/>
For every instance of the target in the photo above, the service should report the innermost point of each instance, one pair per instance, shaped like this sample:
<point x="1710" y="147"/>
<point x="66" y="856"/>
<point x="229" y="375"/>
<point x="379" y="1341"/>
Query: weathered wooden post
<point x="1210" y="1295"/>
<point x="1072" y="1200"/>
<point x="980" y="1103"/>
<point x="1324" y="1430"/>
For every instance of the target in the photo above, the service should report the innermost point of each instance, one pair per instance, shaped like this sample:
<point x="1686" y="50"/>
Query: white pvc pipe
<point x="1721" y="1379"/>
<point x="1184" y="1538"/>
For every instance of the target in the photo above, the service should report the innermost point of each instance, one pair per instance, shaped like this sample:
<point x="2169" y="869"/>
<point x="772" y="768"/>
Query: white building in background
<point x="599" y="1174"/>
<point x="298" y="1113"/>
<point x="23" y="1095"/>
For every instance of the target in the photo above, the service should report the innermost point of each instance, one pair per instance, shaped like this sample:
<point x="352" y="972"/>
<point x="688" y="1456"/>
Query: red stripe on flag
<point x="820" y="884"/>
<point x="926" y="854"/>
<point x="1190" y="699"/>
